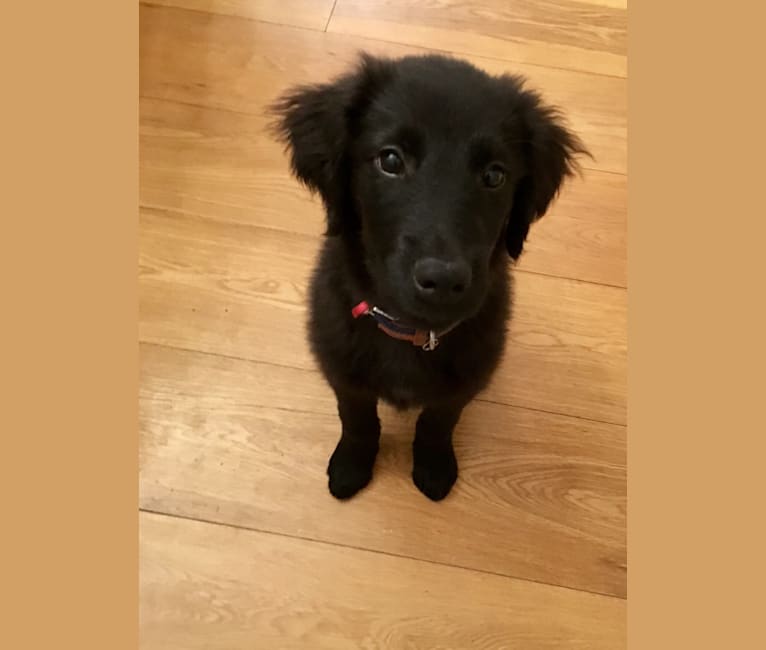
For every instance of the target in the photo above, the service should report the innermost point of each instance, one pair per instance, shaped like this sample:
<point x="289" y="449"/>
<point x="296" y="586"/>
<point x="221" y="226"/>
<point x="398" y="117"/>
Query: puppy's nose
<point x="440" y="280"/>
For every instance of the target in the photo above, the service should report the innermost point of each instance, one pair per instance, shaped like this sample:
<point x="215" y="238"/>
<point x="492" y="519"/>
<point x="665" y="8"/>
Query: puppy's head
<point x="437" y="166"/>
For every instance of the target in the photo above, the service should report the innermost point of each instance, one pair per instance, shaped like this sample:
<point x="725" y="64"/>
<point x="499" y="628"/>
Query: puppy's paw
<point x="434" y="471"/>
<point x="350" y="468"/>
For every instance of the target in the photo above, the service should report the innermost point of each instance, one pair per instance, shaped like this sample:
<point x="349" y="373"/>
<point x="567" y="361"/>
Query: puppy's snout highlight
<point x="441" y="280"/>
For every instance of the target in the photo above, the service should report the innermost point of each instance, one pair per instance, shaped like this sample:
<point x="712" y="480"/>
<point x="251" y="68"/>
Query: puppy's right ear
<point x="317" y="123"/>
<point x="550" y="150"/>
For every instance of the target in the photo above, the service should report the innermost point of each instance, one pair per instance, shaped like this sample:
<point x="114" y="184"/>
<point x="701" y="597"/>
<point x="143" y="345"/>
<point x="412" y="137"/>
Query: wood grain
<point x="540" y="496"/>
<point x="226" y="166"/>
<point x="311" y="14"/>
<point x="228" y="289"/>
<point x="240" y="65"/>
<point x="586" y="36"/>
<point x="267" y="591"/>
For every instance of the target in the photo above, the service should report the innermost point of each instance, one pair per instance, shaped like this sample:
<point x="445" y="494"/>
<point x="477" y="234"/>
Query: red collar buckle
<point x="360" y="310"/>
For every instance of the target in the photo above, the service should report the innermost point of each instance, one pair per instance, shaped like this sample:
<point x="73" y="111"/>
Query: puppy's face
<point x="436" y="167"/>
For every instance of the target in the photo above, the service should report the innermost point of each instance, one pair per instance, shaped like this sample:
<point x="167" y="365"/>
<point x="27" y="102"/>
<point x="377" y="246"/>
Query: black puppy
<point x="431" y="173"/>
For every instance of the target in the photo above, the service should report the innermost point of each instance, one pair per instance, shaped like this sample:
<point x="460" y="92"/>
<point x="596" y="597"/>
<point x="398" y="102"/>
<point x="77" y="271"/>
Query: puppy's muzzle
<point x="440" y="281"/>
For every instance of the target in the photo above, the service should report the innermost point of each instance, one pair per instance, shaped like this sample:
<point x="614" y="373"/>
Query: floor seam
<point x="251" y="529"/>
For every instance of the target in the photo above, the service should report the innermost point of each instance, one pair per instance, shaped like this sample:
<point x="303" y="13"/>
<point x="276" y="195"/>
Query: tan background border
<point x="696" y="327"/>
<point x="69" y="305"/>
<point x="69" y="236"/>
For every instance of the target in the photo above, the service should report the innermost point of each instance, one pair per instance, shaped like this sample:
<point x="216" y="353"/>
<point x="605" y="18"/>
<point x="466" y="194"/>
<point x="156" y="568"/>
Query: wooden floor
<point x="241" y="544"/>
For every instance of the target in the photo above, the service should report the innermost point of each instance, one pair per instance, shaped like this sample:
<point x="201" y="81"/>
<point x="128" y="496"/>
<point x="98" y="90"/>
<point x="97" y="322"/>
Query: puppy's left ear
<point x="316" y="123"/>
<point x="550" y="152"/>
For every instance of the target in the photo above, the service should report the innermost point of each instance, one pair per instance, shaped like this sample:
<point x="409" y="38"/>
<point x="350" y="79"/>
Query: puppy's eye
<point x="390" y="162"/>
<point x="494" y="177"/>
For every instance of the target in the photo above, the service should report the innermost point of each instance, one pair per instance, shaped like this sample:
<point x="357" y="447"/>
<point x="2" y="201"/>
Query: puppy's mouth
<point x="427" y="316"/>
<point x="418" y="305"/>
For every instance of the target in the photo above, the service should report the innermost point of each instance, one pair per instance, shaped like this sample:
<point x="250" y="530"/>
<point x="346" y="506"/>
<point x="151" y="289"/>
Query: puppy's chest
<point x="409" y="376"/>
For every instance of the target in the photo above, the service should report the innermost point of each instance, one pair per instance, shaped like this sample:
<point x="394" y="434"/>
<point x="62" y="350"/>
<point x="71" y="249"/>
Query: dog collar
<point x="425" y="339"/>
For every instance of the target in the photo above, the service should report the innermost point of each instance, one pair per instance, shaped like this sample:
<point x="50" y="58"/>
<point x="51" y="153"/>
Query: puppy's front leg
<point x="351" y="463"/>
<point x="434" y="468"/>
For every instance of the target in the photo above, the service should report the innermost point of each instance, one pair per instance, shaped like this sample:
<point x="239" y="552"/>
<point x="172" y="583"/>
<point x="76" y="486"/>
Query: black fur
<point x="448" y="123"/>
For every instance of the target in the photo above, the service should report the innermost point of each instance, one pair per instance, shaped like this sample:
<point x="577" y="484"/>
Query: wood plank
<point x="311" y="14"/>
<point x="226" y="166"/>
<point x="268" y="591"/>
<point x="240" y="291"/>
<point x="560" y="33"/>
<point x="539" y="496"/>
<point x="241" y="65"/>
